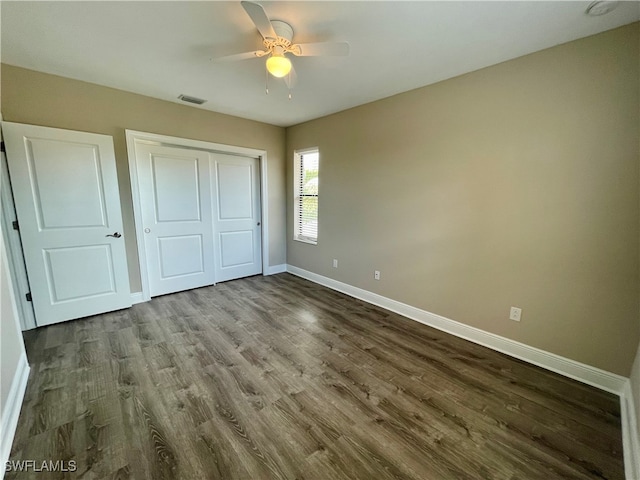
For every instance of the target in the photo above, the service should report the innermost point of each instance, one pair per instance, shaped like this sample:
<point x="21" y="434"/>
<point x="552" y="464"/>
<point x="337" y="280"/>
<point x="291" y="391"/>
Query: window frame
<point x="297" y="194"/>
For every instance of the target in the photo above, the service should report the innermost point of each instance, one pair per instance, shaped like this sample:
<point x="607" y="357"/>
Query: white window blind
<point x="306" y="195"/>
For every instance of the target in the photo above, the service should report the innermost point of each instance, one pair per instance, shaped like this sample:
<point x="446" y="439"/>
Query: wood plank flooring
<point x="278" y="378"/>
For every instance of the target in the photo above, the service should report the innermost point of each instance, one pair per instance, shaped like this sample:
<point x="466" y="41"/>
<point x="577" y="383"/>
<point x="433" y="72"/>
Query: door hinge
<point x="28" y="297"/>
<point x="2" y="149"/>
<point x="15" y="225"/>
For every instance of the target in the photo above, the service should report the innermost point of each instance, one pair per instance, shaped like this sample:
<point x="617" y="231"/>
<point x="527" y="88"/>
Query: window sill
<point x="306" y="240"/>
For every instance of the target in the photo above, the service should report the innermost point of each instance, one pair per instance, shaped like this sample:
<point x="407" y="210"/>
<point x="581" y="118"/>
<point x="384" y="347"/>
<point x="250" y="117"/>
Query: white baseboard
<point x="630" y="438"/>
<point x="596" y="377"/>
<point x="275" y="269"/>
<point x="137" y="297"/>
<point x="11" y="410"/>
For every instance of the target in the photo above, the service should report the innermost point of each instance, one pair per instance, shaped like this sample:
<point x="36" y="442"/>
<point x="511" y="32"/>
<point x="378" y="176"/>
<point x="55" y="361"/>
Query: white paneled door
<point x="237" y="217"/>
<point x="175" y="196"/>
<point x="68" y="206"/>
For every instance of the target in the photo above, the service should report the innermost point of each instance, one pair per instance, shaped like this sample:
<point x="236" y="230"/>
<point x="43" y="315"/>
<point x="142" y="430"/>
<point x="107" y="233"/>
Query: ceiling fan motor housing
<point x="282" y="44"/>
<point x="283" y="30"/>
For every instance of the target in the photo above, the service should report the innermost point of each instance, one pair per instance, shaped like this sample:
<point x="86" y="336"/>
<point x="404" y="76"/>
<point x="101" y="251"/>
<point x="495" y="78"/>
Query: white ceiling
<point x="162" y="49"/>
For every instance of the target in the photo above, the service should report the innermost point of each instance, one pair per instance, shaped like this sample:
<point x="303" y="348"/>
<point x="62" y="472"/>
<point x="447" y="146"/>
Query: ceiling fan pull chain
<point x="266" y="81"/>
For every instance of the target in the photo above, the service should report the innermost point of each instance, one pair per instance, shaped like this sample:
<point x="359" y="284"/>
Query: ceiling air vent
<point x="187" y="98"/>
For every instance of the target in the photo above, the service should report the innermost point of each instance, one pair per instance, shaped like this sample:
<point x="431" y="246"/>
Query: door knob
<point x="114" y="235"/>
<point x="258" y="223"/>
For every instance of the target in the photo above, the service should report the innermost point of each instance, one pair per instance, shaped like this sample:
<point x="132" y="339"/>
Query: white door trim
<point x="15" y="254"/>
<point x="13" y="247"/>
<point x="134" y="137"/>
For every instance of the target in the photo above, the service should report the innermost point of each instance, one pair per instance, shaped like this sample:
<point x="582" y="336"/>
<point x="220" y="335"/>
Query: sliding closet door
<point x="175" y="196"/>
<point x="201" y="216"/>
<point x="236" y="219"/>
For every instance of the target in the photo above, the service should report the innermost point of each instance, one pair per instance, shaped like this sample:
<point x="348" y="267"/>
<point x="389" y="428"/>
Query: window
<point x="305" y="188"/>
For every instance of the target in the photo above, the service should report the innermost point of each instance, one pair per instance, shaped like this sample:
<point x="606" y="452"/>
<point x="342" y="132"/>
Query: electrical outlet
<point x="376" y="274"/>
<point x="335" y="263"/>
<point x="515" y="314"/>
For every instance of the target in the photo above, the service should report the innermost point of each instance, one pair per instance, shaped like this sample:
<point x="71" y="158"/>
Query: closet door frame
<point x="134" y="137"/>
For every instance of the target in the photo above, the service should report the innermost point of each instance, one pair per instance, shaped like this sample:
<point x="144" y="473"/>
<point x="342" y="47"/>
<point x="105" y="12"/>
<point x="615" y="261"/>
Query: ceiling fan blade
<point x="260" y="19"/>
<point x="239" y="56"/>
<point x="337" y="49"/>
<point x="291" y="78"/>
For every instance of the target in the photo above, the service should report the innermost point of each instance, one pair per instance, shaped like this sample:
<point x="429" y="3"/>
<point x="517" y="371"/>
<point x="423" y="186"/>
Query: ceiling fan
<point x="278" y="42"/>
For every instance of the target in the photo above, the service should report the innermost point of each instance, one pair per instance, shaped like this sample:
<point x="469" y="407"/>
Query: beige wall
<point x="42" y="99"/>
<point x="513" y="185"/>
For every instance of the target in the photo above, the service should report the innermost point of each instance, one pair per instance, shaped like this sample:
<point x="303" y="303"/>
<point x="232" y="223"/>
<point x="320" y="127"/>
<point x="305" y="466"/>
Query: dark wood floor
<point x="279" y="378"/>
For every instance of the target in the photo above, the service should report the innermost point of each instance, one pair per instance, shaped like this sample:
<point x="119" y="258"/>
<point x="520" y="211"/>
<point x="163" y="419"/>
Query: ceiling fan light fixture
<point x="278" y="65"/>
